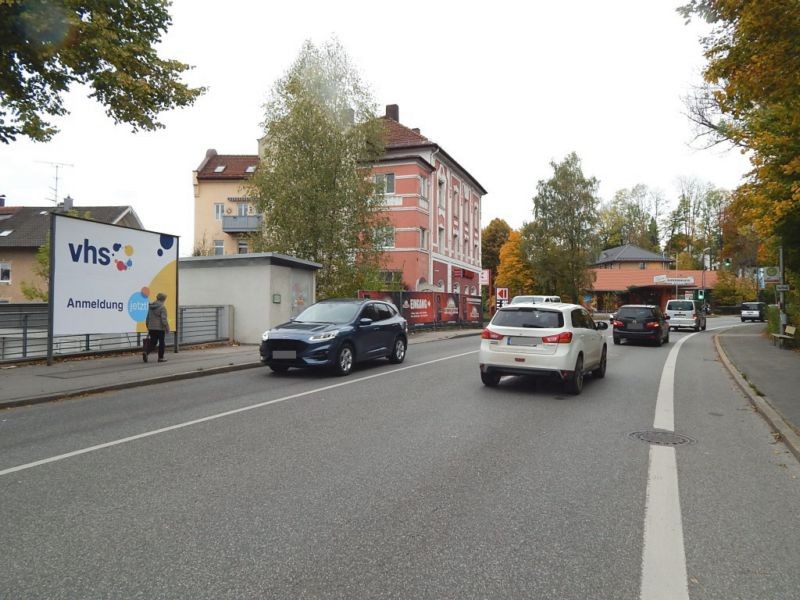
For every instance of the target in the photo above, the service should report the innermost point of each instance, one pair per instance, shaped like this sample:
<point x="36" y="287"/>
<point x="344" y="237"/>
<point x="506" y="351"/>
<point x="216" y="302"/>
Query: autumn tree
<point x="312" y="185"/>
<point x="493" y="236"/>
<point x="560" y="241"/>
<point x="513" y="271"/>
<point x="751" y="99"/>
<point x="109" y="45"/>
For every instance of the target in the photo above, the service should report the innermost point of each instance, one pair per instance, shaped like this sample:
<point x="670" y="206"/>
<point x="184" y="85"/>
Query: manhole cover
<point x="661" y="437"/>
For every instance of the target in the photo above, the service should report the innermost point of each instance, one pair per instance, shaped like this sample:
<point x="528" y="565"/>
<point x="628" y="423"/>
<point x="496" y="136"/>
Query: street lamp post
<point x="703" y="276"/>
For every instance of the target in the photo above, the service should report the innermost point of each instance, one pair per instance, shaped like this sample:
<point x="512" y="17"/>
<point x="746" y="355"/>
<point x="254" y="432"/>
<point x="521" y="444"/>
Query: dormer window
<point x="250" y="169"/>
<point x="6" y="232"/>
<point x="219" y="168"/>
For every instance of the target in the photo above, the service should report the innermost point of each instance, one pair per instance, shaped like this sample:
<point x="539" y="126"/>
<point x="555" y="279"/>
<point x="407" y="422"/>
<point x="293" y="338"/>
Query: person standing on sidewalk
<point x="157" y="327"/>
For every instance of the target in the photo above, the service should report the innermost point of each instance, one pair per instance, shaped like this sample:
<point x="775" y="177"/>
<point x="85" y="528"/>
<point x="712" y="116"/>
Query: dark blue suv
<point x="336" y="334"/>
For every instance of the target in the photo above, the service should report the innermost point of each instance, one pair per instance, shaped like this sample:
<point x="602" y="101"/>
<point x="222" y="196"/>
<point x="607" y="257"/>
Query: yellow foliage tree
<point x="514" y="271"/>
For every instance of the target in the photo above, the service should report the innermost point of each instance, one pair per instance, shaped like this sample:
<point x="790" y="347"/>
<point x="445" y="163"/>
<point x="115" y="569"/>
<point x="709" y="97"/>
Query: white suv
<point x="556" y="340"/>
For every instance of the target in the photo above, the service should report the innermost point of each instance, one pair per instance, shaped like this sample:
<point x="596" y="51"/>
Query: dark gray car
<point x="643" y="322"/>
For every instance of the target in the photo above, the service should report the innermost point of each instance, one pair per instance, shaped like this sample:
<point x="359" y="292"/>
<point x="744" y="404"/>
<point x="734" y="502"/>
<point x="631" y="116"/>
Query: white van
<point x="686" y="313"/>
<point x="534" y="299"/>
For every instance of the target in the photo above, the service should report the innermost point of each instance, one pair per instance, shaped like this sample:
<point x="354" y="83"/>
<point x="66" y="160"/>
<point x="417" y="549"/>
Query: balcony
<point x="241" y="224"/>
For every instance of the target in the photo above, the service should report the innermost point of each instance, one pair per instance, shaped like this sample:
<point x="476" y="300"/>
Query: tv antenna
<point x="57" y="166"/>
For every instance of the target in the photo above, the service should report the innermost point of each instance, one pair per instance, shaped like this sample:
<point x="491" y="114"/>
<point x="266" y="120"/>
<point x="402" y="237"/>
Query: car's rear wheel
<point x="616" y="341"/>
<point x="600" y="371"/>
<point x="490" y="379"/>
<point x="704" y="326"/>
<point x="398" y="351"/>
<point x="666" y="339"/>
<point x="344" y="360"/>
<point x="574" y="382"/>
<point x="279" y="368"/>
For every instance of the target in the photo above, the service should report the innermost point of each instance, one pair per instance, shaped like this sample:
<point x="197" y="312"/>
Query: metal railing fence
<point x="23" y="333"/>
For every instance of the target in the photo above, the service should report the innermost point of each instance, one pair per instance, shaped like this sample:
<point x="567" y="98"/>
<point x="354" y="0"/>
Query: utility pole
<point x="57" y="166"/>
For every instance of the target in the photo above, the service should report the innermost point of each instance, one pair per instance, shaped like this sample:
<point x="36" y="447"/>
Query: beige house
<point x="24" y="229"/>
<point x="223" y="215"/>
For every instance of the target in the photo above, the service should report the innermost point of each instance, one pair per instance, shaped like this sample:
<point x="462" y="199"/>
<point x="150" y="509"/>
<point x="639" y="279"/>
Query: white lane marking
<point x="663" y="556"/>
<point x="663" y="553"/>
<point x="228" y="413"/>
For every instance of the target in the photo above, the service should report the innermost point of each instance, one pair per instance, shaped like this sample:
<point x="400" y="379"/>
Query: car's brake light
<point x="565" y="337"/>
<point x="618" y="323"/>
<point x="652" y="325"/>
<point x="488" y="334"/>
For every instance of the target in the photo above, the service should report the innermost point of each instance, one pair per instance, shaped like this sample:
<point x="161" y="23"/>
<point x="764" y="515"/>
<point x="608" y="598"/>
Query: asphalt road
<point x="409" y="481"/>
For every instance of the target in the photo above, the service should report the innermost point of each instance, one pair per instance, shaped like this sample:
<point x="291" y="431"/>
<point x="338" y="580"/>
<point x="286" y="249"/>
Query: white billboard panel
<point x="104" y="276"/>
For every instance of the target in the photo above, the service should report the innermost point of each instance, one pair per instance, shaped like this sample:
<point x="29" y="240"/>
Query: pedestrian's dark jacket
<point x="157" y="317"/>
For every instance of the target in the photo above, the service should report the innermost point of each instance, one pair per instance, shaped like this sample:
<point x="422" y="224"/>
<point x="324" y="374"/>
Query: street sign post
<point x="502" y="297"/>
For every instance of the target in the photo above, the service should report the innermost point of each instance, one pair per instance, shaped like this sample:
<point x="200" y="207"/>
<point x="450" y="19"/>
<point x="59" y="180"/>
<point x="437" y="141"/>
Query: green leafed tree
<point x="46" y="46"/>
<point x="629" y="219"/>
<point x="493" y="236"/>
<point x="561" y="239"/>
<point x="313" y="186"/>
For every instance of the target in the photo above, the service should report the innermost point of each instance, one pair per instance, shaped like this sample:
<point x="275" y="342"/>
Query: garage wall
<point x="264" y="289"/>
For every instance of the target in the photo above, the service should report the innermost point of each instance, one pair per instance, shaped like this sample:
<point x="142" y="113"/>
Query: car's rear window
<point x="750" y="305"/>
<point x="680" y="305"/>
<point x="635" y="312"/>
<point x="528" y="317"/>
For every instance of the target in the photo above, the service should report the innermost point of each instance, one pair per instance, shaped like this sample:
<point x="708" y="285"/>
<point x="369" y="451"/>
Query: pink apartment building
<point x="432" y="203"/>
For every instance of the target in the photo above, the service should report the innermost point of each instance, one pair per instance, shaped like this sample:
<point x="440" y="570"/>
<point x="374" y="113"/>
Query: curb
<point x="127" y="385"/>
<point x="762" y="404"/>
<point x="55" y="396"/>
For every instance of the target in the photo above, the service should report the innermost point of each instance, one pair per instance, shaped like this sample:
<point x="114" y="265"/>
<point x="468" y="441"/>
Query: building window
<point x="441" y="239"/>
<point x="241" y="210"/>
<point x="385" y="182"/>
<point x="219" y="247"/>
<point x="384" y="237"/>
<point x="441" y="198"/>
<point x="392" y="279"/>
<point x="423" y="238"/>
<point x="455" y="243"/>
<point x="456" y="288"/>
<point x="242" y="248"/>
<point x="641" y="265"/>
<point x="5" y="272"/>
<point x="423" y="187"/>
<point x="219" y="210"/>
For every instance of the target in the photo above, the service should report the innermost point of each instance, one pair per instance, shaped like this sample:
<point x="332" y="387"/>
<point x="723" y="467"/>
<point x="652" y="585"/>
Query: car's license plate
<point x="284" y="354"/>
<point x="524" y="341"/>
<point x="636" y="326"/>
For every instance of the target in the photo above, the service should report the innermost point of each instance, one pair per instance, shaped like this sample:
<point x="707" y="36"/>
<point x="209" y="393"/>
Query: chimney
<point x="393" y="112"/>
<point x="2" y="199"/>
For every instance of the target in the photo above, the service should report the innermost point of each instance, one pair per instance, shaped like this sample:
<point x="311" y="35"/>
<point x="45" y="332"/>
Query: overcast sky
<point x="505" y="88"/>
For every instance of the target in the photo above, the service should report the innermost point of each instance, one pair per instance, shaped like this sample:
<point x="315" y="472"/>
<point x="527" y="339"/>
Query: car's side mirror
<point x="365" y="321"/>
<point x="601" y="325"/>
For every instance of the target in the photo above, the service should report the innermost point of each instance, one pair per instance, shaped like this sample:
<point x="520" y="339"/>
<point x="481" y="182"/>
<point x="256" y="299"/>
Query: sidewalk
<point x="769" y="376"/>
<point x="25" y="384"/>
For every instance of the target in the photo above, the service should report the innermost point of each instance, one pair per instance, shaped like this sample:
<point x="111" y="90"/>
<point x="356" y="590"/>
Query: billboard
<point x="102" y="277"/>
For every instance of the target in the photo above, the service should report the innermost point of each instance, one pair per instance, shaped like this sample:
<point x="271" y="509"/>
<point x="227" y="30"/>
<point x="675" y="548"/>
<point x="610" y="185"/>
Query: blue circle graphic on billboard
<point x="137" y="307"/>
